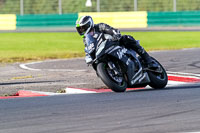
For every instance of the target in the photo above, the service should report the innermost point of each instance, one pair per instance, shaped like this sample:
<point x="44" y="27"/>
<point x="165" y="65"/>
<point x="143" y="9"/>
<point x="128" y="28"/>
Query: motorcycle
<point x="120" y="68"/>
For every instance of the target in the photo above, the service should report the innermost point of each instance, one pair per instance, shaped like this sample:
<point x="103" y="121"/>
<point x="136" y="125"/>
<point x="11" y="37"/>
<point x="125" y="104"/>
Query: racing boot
<point x="151" y="64"/>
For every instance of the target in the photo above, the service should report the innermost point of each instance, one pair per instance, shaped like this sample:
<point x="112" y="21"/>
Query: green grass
<point x="167" y="40"/>
<point x="38" y="46"/>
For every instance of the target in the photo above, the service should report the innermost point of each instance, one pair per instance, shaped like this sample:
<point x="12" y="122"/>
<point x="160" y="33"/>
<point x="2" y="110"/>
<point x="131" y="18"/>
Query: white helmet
<point x="84" y="24"/>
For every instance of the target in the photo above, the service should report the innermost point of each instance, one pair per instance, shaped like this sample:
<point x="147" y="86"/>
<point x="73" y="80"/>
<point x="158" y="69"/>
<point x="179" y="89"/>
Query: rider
<point x="85" y="25"/>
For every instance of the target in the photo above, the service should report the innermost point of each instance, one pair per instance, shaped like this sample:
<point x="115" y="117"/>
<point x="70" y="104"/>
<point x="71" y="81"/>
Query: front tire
<point x="102" y="70"/>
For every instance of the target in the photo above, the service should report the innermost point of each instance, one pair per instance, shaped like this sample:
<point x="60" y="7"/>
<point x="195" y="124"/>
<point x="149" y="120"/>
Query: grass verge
<point x="22" y="47"/>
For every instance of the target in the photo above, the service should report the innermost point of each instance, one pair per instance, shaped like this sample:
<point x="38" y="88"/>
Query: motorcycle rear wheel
<point x="158" y="80"/>
<point x="103" y="72"/>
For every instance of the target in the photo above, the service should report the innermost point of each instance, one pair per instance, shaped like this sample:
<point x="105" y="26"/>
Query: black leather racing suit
<point x="126" y="40"/>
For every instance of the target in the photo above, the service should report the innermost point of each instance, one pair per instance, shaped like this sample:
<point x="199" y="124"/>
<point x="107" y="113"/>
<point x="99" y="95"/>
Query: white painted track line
<point x="25" y="66"/>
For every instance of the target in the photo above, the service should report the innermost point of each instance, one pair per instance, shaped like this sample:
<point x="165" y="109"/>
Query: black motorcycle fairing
<point x="107" y="50"/>
<point x="121" y="53"/>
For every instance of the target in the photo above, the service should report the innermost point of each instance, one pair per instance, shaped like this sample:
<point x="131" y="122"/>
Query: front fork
<point x="113" y="67"/>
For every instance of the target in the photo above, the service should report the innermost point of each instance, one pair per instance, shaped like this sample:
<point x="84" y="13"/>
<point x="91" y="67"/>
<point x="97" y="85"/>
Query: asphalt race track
<point x="53" y="75"/>
<point x="169" y="110"/>
<point x="173" y="109"/>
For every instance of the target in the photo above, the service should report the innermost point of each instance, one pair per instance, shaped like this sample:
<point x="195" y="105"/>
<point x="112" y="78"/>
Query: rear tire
<point x="158" y="81"/>
<point x="102" y="70"/>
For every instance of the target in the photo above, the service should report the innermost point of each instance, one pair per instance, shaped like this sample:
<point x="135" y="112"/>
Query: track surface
<point x="170" y="110"/>
<point x="174" y="109"/>
<point x="59" y="74"/>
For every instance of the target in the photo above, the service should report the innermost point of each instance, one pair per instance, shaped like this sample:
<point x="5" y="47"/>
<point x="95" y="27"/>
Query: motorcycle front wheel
<point x="115" y="82"/>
